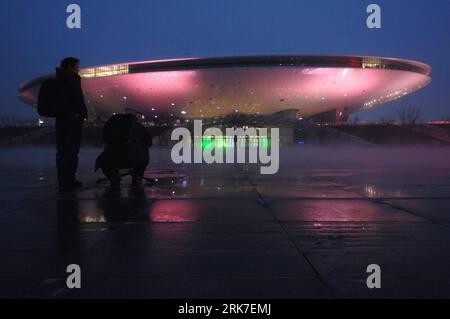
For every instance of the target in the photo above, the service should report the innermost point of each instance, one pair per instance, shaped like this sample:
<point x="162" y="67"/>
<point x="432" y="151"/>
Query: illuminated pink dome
<point x="215" y="87"/>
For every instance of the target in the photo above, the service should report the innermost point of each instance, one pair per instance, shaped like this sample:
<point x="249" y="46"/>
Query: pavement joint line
<point x="317" y="273"/>
<point x="429" y="219"/>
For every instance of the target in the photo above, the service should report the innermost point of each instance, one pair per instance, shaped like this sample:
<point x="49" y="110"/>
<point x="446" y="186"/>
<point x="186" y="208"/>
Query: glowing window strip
<point x="372" y="63"/>
<point x="385" y="98"/>
<point x="105" y="71"/>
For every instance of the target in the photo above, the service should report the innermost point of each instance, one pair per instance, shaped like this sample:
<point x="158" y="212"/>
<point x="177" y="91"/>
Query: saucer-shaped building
<point x="197" y="88"/>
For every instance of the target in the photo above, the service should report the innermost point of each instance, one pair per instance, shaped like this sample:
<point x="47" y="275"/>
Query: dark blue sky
<point x="35" y="37"/>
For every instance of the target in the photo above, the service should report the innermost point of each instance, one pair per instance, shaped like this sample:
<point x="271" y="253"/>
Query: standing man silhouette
<point x="69" y="122"/>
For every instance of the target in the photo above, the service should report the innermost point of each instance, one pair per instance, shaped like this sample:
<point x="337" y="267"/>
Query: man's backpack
<point x="118" y="130"/>
<point x="48" y="98"/>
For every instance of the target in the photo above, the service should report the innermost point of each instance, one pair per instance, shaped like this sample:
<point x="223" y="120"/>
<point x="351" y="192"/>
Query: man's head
<point x="71" y="64"/>
<point x="137" y="115"/>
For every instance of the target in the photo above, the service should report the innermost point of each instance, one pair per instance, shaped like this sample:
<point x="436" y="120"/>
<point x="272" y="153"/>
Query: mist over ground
<point x="417" y="159"/>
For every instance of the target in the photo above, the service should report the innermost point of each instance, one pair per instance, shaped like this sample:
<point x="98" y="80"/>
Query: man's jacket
<point x="71" y="95"/>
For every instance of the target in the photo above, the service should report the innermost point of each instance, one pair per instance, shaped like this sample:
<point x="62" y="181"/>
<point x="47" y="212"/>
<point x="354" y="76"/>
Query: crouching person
<point x="127" y="147"/>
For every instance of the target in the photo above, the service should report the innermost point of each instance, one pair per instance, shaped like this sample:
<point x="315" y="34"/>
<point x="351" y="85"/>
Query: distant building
<point x="327" y="88"/>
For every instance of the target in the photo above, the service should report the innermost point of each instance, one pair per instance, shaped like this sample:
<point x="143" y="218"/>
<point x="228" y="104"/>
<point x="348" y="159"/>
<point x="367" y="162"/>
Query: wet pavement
<point x="225" y="231"/>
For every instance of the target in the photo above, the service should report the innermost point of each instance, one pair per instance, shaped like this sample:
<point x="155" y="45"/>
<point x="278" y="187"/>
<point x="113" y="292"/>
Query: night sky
<point x="35" y="37"/>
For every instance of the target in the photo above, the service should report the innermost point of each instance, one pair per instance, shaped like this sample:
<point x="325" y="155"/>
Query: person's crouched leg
<point x="113" y="175"/>
<point x="138" y="173"/>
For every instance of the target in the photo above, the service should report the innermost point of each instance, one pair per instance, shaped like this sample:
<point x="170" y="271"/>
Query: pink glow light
<point x="172" y="211"/>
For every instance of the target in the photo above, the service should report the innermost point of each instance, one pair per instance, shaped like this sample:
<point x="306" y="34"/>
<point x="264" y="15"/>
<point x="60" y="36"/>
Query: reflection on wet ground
<point x="227" y="231"/>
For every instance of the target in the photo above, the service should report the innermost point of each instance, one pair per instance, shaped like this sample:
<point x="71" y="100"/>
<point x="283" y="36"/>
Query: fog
<point x="360" y="157"/>
<point x="406" y="158"/>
